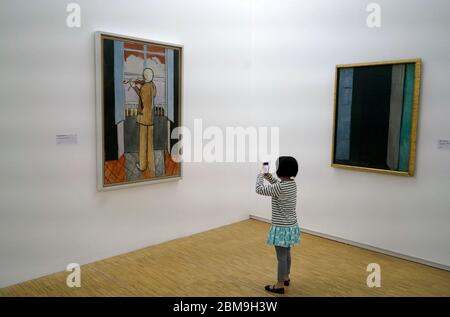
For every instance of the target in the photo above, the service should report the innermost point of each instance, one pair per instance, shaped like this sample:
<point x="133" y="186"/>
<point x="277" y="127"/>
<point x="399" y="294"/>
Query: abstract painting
<point x="376" y="114"/>
<point x="138" y="108"/>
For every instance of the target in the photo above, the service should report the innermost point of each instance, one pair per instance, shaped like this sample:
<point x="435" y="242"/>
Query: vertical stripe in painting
<point x="176" y="97"/>
<point x="344" y="109"/>
<point x="168" y="136"/>
<point x="170" y="83"/>
<point x="405" y="132"/>
<point x="120" y="138"/>
<point x="109" y="125"/>
<point x="370" y="116"/>
<point x="395" y="116"/>
<point x="119" y="92"/>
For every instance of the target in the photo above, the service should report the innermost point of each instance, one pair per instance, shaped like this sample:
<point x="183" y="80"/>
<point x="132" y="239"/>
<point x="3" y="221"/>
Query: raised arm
<point x="269" y="177"/>
<point x="273" y="190"/>
<point x="137" y="90"/>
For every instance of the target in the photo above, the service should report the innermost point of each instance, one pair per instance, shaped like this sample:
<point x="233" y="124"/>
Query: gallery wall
<point x="51" y="212"/>
<point x="247" y="63"/>
<point x="295" y="49"/>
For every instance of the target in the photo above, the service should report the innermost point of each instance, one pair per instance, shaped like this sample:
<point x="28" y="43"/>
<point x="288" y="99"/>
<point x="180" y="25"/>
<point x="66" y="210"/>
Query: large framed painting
<point x="376" y="116"/>
<point x="139" y="103"/>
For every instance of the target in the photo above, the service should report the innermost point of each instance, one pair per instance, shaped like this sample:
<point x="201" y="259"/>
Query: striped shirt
<point x="284" y="199"/>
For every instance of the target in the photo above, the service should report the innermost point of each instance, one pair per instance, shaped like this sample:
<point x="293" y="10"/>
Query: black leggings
<point x="284" y="262"/>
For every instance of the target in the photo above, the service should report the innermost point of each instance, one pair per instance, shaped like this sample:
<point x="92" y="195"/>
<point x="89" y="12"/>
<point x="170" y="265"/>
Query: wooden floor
<point x="234" y="261"/>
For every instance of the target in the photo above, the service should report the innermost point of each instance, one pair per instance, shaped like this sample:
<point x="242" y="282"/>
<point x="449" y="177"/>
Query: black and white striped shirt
<point x="284" y="199"/>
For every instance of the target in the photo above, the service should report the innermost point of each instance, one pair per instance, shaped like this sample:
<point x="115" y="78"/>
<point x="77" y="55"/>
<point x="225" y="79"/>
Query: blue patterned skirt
<point x="283" y="236"/>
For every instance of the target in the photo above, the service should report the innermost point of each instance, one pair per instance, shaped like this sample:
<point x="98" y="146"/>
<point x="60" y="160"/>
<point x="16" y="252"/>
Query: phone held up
<point x="266" y="167"/>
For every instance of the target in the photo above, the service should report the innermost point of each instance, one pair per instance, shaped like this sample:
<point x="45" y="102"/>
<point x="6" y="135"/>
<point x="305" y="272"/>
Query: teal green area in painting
<point x="405" y="130"/>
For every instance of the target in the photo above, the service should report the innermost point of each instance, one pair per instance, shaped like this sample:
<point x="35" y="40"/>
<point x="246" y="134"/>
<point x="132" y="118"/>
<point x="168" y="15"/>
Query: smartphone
<point x="266" y="167"/>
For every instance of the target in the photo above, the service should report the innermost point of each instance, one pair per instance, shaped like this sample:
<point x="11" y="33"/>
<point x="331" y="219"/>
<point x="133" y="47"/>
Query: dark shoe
<point x="286" y="283"/>
<point x="272" y="289"/>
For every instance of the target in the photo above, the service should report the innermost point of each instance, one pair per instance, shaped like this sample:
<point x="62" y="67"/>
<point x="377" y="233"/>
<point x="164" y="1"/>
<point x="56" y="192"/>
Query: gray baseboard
<point x="365" y="246"/>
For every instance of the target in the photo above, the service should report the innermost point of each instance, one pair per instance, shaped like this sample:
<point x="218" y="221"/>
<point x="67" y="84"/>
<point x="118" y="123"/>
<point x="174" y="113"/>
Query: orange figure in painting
<point x="146" y="90"/>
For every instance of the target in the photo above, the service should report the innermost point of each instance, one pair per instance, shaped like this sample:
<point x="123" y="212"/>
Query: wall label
<point x="443" y="144"/>
<point x="66" y="139"/>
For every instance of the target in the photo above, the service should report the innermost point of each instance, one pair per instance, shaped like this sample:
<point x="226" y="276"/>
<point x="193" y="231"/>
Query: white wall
<point x="296" y="45"/>
<point x="259" y="63"/>
<point x="51" y="213"/>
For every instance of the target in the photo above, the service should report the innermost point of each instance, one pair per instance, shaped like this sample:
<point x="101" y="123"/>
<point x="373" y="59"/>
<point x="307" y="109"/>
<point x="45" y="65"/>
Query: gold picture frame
<point x="414" y="119"/>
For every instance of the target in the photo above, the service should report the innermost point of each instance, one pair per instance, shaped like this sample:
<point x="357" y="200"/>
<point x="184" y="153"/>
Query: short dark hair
<point x="287" y="166"/>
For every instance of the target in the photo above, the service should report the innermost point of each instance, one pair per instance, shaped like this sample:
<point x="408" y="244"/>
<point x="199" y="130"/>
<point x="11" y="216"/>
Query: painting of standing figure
<point x="138" y="107"/>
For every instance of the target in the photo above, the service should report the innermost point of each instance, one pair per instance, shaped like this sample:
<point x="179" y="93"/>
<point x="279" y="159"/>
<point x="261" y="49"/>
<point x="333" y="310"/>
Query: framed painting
<point x="139" y="102"/>
<point x="376" y="115"/>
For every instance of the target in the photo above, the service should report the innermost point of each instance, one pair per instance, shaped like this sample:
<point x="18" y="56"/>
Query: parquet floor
<point x="235" y="261"/>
